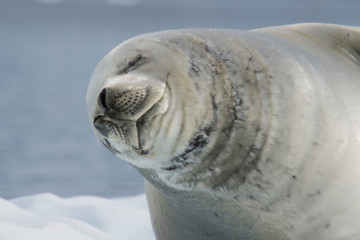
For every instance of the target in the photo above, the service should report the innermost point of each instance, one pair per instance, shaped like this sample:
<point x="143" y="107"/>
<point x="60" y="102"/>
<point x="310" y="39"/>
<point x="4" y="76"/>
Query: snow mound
<point x="49" y="217"/>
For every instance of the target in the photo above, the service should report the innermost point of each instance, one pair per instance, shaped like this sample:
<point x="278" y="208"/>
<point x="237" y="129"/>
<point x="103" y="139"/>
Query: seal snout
<point x="125" y="107"/>
<point x="122" y="104"/>
<point x="119" y="108"/>
<point x="128" y="101"/>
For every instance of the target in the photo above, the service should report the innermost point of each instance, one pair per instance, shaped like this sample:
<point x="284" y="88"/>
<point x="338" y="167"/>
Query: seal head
<point x="177" y="103"/>
<point x="127" y="101"/>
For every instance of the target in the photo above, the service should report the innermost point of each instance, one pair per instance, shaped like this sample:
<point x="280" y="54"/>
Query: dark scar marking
<point x="327" y="226"/>
<point x="250" y="162"/>
<point x="194" y="68"/>
<point x="193" y="148"/>
<point x="133" y="64"/>
<point x="317" y="193"/>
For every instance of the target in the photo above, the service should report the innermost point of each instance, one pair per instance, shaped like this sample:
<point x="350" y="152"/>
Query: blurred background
<point x="48" y="50"/>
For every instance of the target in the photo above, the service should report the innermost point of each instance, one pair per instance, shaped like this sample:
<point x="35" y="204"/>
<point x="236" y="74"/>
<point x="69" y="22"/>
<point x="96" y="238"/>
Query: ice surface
<point x="49" y="217"/>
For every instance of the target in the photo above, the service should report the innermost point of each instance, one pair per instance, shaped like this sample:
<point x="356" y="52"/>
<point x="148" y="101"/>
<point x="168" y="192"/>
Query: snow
<point x="49" y="217"/>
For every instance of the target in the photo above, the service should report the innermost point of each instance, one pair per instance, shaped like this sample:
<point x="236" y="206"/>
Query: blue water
<point x="47" y="55"/>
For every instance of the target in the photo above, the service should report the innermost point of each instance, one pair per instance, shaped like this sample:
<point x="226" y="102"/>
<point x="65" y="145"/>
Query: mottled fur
<point x="241" y="135"/>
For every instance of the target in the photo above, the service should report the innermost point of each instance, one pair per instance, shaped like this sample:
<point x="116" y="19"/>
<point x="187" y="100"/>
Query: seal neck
<point x="232" y="133"/>
<point x="237" y="143"/>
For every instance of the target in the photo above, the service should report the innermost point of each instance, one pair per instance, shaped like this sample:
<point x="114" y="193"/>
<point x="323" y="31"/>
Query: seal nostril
<point x="102" y="97"/>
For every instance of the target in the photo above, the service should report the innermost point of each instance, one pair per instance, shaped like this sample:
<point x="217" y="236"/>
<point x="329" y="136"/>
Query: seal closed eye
<point x="133" y="64"/>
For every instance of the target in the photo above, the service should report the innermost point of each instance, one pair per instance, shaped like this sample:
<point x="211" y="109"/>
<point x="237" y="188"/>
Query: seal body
<point x="239" y="135"/>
